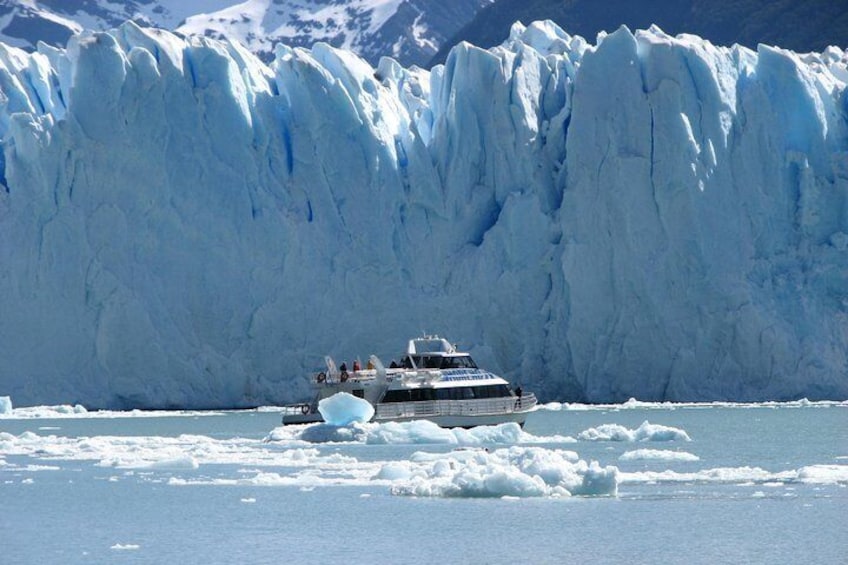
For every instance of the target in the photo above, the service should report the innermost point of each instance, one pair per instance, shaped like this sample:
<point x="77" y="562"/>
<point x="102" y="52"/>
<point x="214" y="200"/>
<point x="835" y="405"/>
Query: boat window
<point x="459" y="362"/>
<point x="431" y="362"/>
<point x="470" y="392"/>
<point x="412" y="395"/>
<point x="396" y="396"/>
<point x="491" y="391"/>
<point x="406" y="362"/>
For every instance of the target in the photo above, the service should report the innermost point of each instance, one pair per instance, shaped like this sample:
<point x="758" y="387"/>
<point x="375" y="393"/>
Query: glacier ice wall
<point x="651" y="217"/>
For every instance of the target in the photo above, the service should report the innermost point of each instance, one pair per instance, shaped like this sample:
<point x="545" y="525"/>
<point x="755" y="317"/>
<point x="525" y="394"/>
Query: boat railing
<point x="332" y="379"/>
<point x="468" y="407"/>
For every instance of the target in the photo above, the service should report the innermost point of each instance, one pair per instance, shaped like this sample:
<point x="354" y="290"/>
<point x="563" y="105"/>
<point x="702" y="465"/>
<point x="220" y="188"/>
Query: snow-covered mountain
<point x="811" y="25"/>
<point x="650" y="216"/>
<point x="410" y="31"/>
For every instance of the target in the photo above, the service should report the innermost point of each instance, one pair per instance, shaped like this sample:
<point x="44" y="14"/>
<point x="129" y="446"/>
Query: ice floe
<point x="634" y="404"/>
<point x="410" y="433"/>
<point x="657" y="455"/>
<point x="513" y="472"/>
<point x="645" y="432"/>
<point x="810" y="474"/>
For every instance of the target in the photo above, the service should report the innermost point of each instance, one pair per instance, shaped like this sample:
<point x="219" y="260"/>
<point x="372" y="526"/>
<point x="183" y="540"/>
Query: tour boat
<point x="433" y="381"/>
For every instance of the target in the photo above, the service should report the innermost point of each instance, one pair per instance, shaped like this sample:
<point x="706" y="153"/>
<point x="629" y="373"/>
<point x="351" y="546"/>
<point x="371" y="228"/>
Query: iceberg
<point x="343" y="409"/>
<point x="646" y="216"/>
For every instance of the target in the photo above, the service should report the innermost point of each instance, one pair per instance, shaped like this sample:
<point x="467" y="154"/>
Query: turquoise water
<point x="756" y="484"/>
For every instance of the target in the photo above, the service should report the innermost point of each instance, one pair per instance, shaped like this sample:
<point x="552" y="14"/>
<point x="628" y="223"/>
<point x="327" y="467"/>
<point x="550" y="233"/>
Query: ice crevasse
<point x="648" y="216"/>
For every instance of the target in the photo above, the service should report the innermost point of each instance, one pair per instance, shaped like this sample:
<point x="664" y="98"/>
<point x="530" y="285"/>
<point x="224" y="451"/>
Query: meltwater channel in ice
<point x="647" y="482"/>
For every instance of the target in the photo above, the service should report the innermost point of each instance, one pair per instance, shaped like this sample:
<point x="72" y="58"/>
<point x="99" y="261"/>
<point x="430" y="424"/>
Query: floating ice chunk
<point x="645" y="432"/>
<point x="329" y="433"/>
<point x="552" y="406"/>
<point x="410" y="433"/>
<point x="423" y="431"/>
<point x="415" y="432"/>
<point x="727" y="475"/>
<point x="394" y="471"/>
<point x="512" y="472"/>
<point x="597" y="480"/>
<point x="125" y="547"/>
<point x="175" y="463"/>
<point x="343" y="409"/>
<point x="5" y="405"/>
<point x="823" y="474"/>
<point x="657" y="455"/>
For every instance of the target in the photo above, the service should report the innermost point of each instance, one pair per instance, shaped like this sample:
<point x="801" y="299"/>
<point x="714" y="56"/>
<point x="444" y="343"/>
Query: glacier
<point x="183" y="225"/>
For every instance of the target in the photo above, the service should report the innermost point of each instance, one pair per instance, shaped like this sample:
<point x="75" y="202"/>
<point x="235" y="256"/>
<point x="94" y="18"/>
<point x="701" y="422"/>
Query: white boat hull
<point x="447" y="414"/>
<point x="451" y="421"/>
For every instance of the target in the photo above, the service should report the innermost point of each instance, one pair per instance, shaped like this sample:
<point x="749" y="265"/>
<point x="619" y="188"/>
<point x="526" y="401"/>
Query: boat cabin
<point x="447" y="393"/>
<point x="431" y="361"/>
<point x="433" y="352"/>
